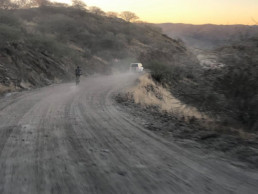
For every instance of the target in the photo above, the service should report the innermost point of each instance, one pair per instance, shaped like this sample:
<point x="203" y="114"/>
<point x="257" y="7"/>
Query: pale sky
<point x="184" y="11"/>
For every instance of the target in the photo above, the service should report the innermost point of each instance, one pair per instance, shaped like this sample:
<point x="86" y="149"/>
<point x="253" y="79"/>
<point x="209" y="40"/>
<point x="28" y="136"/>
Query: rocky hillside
<point x="39" y="46"/>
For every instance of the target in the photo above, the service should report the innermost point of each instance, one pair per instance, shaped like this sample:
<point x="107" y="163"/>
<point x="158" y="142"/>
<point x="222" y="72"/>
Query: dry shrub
<point x="148" y="93"/>
<point x="4" y="89"/>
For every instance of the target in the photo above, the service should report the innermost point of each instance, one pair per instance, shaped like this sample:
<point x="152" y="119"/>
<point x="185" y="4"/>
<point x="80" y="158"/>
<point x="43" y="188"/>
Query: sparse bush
<point x="238" y="83"/>
<point x="47" y="44"/>
<point x="9" y="19"/>
<point x="9" y="33"/>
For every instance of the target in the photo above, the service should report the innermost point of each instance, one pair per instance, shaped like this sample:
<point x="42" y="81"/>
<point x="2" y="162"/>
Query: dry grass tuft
<point x="149" y="93"/>
<point x="4" y="89"/>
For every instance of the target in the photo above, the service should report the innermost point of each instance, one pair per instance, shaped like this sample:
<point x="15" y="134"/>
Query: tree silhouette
<point x="97" y="10"/>
<point x="129" y="16"/>
<point x="7" y="4"/>
<point x="79" y="4"/>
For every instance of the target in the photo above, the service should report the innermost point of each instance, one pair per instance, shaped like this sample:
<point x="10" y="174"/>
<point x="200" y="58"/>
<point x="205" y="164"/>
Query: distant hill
<point x="208" y="36"/>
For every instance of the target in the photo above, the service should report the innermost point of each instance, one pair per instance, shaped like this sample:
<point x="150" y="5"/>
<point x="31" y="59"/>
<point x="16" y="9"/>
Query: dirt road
<point x="67" y="139"/>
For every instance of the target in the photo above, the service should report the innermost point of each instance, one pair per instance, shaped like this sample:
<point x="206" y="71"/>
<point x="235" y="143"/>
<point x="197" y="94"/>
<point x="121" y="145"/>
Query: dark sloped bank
<point x="24" y="67"/>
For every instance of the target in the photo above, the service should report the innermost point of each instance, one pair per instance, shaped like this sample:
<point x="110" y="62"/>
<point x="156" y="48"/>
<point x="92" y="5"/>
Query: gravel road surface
<point x="67" y="139"/>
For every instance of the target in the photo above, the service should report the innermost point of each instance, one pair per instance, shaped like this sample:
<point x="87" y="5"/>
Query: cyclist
<point x="78" y="73"/>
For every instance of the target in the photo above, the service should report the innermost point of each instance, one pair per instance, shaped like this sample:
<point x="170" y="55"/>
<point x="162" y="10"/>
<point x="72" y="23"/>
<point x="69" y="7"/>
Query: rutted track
<point x="63" y="139"/>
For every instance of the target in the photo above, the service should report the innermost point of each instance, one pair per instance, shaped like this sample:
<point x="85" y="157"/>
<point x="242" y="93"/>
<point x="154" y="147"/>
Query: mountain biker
<point x="78" y="73"/>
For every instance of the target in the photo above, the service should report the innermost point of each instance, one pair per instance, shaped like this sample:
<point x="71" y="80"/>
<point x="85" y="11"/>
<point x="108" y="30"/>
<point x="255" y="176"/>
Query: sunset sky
<point x="184" y="11"/>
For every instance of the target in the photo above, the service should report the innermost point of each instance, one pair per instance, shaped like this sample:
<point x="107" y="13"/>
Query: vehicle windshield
<point x="134" y="65"/>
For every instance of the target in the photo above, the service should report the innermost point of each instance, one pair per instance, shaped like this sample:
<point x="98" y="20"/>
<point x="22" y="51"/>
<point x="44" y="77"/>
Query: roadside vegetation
<point x="215" y="107"/>
<point x="228" y="94"/>
<point x="161" y="112"/>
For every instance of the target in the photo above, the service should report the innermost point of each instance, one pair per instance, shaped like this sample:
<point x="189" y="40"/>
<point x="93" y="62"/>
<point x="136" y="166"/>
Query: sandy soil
<point x="68" y="139"/>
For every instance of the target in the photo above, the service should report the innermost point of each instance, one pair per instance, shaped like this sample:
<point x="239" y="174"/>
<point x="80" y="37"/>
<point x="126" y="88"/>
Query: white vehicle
<point x="136" y="67"/>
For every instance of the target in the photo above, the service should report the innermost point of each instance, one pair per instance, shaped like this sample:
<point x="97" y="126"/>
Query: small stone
<point x="122" y="173"/>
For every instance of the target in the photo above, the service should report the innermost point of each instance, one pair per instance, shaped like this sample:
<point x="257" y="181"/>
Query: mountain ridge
<point x="208" y="36"/>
